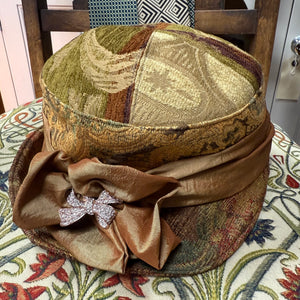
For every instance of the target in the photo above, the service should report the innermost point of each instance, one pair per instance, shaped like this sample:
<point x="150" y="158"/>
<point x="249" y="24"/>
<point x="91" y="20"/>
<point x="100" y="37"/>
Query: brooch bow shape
<point x="101" y="207"/>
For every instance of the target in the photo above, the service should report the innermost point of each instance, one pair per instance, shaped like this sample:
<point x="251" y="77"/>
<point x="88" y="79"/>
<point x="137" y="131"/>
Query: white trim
<point x="16" y="56"/>
<point x="7" y="88"/>
<point x="16" y="84"/>
<point x="284" y="15"/>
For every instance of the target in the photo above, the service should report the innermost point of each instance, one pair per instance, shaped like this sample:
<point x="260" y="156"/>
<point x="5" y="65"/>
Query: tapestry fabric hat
<point x="153" y="158"/>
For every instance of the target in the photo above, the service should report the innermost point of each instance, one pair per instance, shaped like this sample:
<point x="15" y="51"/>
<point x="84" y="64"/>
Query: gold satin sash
<point x="137" y="227"/>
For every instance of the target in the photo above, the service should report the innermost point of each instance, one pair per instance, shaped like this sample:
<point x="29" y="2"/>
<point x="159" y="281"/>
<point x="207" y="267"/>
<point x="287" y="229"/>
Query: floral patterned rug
<point x="267" y="266"/>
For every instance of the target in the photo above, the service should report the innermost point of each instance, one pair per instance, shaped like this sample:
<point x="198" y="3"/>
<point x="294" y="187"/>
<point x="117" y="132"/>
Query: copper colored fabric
<point x="137" y="228"/>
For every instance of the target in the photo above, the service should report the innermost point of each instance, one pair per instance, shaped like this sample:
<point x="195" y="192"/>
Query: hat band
<point x="137" y="225"/>
<point x="82" y="135"/>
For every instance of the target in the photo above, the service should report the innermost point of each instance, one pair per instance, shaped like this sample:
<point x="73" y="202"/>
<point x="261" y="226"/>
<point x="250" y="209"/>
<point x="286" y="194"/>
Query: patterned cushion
<point x="192" y="12"/>
<point x="107" y="12"/>
<point x="129" y="12"/>
<point x="173" y="11"/>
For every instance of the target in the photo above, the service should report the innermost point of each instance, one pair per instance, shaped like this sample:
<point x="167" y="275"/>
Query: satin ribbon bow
<point x="100" y="207"/>
<point x="138" y="228"/>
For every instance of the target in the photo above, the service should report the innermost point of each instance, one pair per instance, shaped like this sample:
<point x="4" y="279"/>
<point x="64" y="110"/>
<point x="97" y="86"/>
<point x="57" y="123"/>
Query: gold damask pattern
<point x="67" y="72"/>
<point x="106" y="70"/>
<point x="185" y="93"/>
<point x="179" y="81"/>
<point x="80" y="135"/>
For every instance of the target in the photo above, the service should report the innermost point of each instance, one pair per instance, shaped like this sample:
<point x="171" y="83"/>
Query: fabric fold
<point x="50" y="178"/>
<point x="137" y="227"/>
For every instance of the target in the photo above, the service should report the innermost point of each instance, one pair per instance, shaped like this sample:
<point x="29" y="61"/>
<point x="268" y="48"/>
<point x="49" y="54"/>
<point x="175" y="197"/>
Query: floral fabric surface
<point x="267" y="266"/>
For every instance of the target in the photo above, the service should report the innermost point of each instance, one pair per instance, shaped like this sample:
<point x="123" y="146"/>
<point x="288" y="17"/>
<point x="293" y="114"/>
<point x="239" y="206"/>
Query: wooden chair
<point x="228" y="18"/>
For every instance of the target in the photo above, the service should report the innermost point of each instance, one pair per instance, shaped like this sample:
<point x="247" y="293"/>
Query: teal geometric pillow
<point x="108" y="12"/>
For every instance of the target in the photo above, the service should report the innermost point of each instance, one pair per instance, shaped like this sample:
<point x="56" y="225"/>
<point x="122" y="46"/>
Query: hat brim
<point x="210" y="233"/>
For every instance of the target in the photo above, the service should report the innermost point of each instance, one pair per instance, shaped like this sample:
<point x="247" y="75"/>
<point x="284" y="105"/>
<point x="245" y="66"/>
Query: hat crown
<point x="146" y="95"/>
<point x="163" y="75"/>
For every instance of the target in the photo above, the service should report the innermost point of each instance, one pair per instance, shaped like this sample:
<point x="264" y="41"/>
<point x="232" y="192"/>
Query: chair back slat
<point x="261" y="46"/>
<point x="209" y="4"/>
<point x="212" y="21"/>
<point x="38" y="41"/>
<point x="65" y="20"/>
<point x="80" y="4"/>
<point x="199" y="4"/>
<point x="242" y="21"/>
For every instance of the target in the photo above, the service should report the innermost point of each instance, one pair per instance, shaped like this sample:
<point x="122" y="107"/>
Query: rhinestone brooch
<point x="100" y="207"/>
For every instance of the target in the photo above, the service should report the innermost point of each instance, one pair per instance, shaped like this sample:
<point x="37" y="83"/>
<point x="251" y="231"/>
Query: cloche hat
<point x="153" y="157"/>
